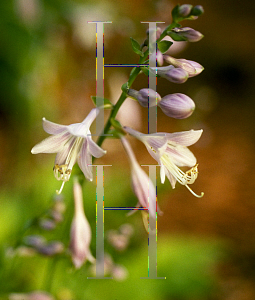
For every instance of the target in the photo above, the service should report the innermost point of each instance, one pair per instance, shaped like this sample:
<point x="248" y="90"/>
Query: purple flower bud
<point x="196" y="66"/>
<point x="53" y="248"/>
<point x="144" y="95"/>
<point x="47" y="224"/>
<point x="178" y="106"/>
<point x="35" y="241"/>
<point x="176" y="75"/>
<point x="184" y="10"/>
<point x="193" y="68"/>
<point x="188" y="34"/>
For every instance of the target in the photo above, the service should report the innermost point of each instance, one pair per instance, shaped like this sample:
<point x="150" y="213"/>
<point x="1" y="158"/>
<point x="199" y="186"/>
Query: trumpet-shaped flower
<point x="171" y="152"/>
<point x="142" y="185"/>
<point x="71" y="143"/>
<point x="80" y="231"/>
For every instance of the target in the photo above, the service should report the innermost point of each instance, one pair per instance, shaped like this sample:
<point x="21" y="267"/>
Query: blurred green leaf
<point x="136" y="47"/>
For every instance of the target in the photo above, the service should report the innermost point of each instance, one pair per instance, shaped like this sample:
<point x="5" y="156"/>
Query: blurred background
<point x="206" y="247"/>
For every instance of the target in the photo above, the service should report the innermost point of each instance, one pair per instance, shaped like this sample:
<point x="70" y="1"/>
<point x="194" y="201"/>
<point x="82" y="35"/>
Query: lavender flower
<point x="71" y="143"/>
<point x="170" y="151"/>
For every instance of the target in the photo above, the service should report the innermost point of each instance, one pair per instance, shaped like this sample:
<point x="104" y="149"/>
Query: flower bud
<point x="188" y="34"/>
<point x="80" y="231"/>
<point x="47" y="224"/>
<point x="175" y="75"/>
<point x="191" y="67"/>
<point x="198" y="68"/>
<point x="184" y="10"/>
<point x="35" y="241"/>
<point x="178" y="106"/>
<point x="53" y="248"/>
<point x="145" y="95"/>
<point x="197" y="10"/>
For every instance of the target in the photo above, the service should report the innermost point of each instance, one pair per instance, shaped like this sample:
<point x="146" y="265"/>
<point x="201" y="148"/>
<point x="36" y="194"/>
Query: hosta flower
<point x="171" y="152"/>
<point x="71" y="143"/>
<point x="80" y="231"/>
<point x="142" y="185"/>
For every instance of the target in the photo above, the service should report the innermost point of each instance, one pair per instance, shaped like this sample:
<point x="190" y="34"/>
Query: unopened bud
<point x="144" y="96"/>
<point x="178" y="106"/>
<point x="47" y="224"/>
<point x="188" y="34"/>
<point x="35" y="241"/>
<point x="53" y="248"/>
<point x="197" y="10"/>
<point x="184" y="10"/>
<point x="175" y="75"/>
<point x="80" y="231"/>
<point x="193" y="68"/>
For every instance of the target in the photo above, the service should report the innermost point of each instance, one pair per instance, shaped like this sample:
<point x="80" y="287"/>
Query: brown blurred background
<point x="47" y="57"/>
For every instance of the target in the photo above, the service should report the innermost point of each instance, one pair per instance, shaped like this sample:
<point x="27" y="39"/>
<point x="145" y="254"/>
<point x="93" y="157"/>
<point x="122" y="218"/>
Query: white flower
<point x="142" y="185"/>
<point x="71" y="143"/>
<point x="171" y="152"/>
<point x="80" y="231"/>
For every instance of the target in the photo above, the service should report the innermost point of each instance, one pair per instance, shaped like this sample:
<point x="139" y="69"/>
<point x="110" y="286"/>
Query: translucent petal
<point x="94" y="149"/>
<point x="82" y="129"/>
<point x="181" y="156"/>
<point x="52" y="144"/>
<point x="85" y="161"/>
<point x="184" y="138"/>
<point x="63" y="153"/>
<point x="53" y="128"/>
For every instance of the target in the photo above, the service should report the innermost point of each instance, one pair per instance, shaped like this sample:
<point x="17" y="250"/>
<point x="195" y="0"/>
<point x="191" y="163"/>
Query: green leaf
<point x="103" y="101"/>
<point x="163" y="46"/>
<point x="136" y="47"/>
<point x="175" y="13"/>
<point x="176" y="37"/>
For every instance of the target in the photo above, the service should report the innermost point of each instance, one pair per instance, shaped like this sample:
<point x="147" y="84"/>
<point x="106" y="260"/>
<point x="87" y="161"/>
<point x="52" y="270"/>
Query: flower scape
<point x="73" y="143"/>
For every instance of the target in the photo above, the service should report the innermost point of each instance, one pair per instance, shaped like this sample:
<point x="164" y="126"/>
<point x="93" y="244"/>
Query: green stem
<point x="134" y="73"/>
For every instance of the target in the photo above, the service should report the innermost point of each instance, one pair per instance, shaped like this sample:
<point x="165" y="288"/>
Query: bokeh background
<point x="206" y="247"/>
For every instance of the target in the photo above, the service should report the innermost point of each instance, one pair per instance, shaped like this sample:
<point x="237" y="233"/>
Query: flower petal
<point x="181" y="156"/>
<point x="82" y="129"/>
<point x="85" y="161"/>
<point x="94" y="149"/>
<point x="184" y="138"/>
<point x="52" y="144"/>
<point x="63" y="153"/>
<point x="53" y="128"/>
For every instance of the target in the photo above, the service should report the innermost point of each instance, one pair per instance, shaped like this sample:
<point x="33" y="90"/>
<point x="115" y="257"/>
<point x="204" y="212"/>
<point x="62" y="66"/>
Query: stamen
<point x="193" y="193"/>
<point x="61" y="188"/>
